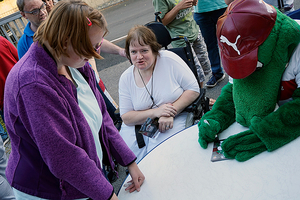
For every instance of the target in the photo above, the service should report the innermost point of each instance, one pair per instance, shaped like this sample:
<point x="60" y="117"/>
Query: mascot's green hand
<point x="243" y="146"/>
<point x="208" y="129"/>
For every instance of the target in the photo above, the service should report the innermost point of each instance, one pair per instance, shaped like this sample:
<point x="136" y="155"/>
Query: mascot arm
<point x="218" y="119"/>
<point x="270" y="133"/>
<point x="281" y="126"/>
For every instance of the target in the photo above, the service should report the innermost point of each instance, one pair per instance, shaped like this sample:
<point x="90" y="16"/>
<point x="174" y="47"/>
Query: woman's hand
<point x="166" y="110"/>
<point x="137" y="178"/>
<point x="165" y="123"/>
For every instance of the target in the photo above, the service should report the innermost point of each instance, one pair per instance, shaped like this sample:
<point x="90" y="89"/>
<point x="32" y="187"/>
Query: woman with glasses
<point x="159" y="85"/>
<point x="61" y="134"/>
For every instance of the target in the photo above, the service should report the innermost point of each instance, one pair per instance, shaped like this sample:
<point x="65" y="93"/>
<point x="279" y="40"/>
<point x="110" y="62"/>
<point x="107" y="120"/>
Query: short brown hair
<point x="144" y="36"/>
<point x="67" y="22"/>
<point x="20" y="4"/>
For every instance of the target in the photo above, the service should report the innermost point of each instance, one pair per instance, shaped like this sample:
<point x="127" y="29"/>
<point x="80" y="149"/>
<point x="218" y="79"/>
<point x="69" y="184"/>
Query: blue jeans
<point x="207" y="22"/>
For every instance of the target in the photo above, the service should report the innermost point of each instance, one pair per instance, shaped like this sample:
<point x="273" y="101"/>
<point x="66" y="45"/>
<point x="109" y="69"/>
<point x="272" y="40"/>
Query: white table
<point x="180" y="169"/>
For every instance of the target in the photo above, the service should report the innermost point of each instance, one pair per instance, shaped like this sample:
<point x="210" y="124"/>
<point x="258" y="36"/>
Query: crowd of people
<point x="60" y="130"/>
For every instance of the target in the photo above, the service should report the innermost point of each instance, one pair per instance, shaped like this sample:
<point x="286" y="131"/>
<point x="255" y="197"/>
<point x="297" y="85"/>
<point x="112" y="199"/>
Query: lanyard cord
<point x="151" y="97"/>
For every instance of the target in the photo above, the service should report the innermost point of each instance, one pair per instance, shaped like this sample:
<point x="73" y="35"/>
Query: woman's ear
<point x="65" y="46"/>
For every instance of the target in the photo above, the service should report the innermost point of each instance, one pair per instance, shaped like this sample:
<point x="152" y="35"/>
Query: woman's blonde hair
<point x="69" y="22"/>
<point x="144" y="36"/>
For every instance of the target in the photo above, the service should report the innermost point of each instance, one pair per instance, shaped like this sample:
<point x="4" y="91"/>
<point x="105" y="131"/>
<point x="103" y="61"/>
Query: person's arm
<point x="180" y="104"/>
<point x="185" y="100"/>
<point x="139" y="117"/>
<point x="170" y="16"/>
<point x="137" y="178"/>
<point x="109" y="47"/>
<point x="228" y="1"/>
<point x="94" y="66"/>
<point x="11" y="48"/>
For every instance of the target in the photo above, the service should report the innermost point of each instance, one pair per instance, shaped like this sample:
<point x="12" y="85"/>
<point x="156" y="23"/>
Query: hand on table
<point x="243" y="146"/>
<point x="137" y="178"/>
<point x="208" y="129"/>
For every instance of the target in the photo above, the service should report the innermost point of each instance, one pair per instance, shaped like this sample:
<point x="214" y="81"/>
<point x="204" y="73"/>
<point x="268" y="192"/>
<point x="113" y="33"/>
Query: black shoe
<point x="214" y="80"/>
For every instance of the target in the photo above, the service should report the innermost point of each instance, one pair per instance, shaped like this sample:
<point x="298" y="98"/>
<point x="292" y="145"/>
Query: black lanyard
<point x="151" y="97"/>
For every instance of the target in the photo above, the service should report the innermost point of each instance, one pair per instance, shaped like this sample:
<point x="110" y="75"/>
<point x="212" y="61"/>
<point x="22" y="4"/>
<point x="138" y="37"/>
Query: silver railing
<point x="9" y="12"/>
<point x="12" y="27"/>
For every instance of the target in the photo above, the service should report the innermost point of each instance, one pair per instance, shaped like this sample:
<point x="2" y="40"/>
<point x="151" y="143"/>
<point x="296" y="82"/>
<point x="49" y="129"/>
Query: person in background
<point x="6" y="192"/>
<point x="61" y="133"/>
<point x="206" y="14"/>
<point x="49" y="5"/>
<point x="159" y="85"/>
<point x="8" y="58"/>
<point x="285" y="6"/>
<point x="177" y="16"/>
<point x="35" y="12"/>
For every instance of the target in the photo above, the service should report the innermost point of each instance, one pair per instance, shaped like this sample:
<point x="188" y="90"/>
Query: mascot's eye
<point x="259" y="65"/>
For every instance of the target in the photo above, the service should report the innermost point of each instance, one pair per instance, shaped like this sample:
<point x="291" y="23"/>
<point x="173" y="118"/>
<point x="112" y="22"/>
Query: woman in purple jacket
<point x="60" y="130"/>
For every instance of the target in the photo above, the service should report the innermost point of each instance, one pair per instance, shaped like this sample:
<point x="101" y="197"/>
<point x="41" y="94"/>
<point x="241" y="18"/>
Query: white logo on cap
<point x="269" y="8"/>
<point x="233" y="45"/>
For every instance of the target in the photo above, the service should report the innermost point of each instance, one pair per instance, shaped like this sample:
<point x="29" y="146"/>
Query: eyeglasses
<point x="97" y="47"/>
<point x="36" y="11"/>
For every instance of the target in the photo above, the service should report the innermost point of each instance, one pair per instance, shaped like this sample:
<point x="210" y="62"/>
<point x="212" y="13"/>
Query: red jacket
<point x="8" y="58"/>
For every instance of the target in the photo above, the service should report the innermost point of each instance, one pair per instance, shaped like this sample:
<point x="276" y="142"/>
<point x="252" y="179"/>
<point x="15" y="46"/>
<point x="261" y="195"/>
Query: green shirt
<point x="183" y="24"/>
<point x="209" y="5"/>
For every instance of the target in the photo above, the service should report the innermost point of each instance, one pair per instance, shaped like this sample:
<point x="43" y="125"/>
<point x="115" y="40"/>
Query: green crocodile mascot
<point x="260" y="52"/>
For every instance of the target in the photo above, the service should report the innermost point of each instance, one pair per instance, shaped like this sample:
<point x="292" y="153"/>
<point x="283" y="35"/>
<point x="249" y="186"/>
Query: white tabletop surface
<point x="180" y="169"/>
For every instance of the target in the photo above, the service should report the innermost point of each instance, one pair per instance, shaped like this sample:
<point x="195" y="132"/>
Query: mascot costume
<point x="260" y="51"/>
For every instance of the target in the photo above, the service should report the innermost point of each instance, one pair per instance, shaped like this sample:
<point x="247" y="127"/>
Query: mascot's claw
<point x="243" y="146"/>
<point x="208" y="129"/>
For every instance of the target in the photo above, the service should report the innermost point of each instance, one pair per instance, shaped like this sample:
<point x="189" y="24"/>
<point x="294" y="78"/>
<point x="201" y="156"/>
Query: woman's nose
<point x="139" y="55"/>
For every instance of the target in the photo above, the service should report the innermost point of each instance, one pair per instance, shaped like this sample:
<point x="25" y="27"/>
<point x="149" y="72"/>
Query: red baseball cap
<point x="244" y="26"/>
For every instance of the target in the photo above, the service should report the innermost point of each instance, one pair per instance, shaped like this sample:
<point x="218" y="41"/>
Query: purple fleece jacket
<point x="53" y="151"/>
